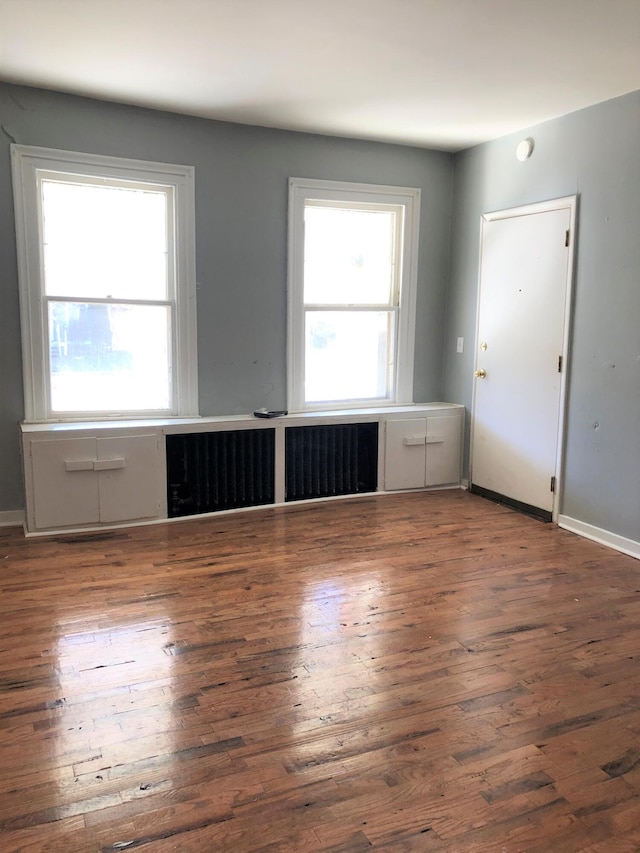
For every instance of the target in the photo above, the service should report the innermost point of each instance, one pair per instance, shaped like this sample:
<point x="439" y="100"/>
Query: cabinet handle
<point x="108" y="464"/>
<point x="410" y="440"/>
<point x="78" y="464"/>
<point x="435" y="439"/>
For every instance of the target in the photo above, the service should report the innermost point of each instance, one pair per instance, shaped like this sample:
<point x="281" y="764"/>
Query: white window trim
<point x="27" y="161"/>
<point x="301" y="189"/>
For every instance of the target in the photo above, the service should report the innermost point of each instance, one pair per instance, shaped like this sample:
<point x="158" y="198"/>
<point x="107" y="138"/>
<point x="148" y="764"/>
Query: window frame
<point x="31" y="165"/>
<point x="408" y="199"/>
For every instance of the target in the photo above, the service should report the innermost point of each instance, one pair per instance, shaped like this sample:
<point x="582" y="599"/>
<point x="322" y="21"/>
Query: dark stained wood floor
<point x="424" y="672"/>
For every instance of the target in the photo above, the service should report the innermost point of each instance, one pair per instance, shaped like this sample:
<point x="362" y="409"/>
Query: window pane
<point x="104" y="241"/>
<point x="108" y="358"/>
<point x="348" y="256"/>
<point x="347" y="355"/>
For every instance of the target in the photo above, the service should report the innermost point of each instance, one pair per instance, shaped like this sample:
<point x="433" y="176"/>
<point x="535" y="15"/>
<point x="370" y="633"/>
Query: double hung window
<point x="107" y="291"/>
<point x="352" y="291"/>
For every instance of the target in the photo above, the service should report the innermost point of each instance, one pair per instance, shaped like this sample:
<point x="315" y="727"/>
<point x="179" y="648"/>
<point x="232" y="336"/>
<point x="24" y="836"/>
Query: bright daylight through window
<point x="107" y="303"/>
<point x="352" y="283"/>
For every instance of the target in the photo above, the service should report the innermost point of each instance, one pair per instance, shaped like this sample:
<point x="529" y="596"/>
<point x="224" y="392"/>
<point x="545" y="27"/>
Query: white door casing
<point x="521" y="345"/>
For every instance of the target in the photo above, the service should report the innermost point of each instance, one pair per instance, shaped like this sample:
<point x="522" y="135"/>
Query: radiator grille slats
<point x="213" y="471"/>
<point x="331" y="459"/>
<point x="229" y="469"/>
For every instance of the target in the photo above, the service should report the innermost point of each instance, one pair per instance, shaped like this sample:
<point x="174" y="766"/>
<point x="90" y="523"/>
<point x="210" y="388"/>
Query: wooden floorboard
<point x="418" y="672"/>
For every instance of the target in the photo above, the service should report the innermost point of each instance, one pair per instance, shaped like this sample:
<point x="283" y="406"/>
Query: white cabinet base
<point x="81" y="480"/>
<point x="92" y="475"/>
<point x="423" y="452"/>
<point x="129" y="491"/>
<point x="65" y="487"/>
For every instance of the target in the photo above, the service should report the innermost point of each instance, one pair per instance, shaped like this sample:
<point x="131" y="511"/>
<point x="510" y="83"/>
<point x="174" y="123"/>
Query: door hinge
<point x="566" y="238"/>
<point x="559" y="364"/>
<point x="553" y="484"/>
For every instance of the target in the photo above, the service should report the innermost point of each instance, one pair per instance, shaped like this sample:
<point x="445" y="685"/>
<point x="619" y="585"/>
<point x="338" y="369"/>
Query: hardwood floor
<point x="423" y="672"/>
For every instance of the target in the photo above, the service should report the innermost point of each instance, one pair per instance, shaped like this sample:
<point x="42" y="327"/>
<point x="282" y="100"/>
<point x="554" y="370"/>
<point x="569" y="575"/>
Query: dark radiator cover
<point x="219" y="470"/>
<point x="332" y="459"/>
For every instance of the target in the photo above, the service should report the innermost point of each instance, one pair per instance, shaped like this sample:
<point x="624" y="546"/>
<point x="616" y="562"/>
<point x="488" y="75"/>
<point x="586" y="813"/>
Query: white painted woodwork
<point x="421" y="452"/>
<point x="65" y="487"/>
<point x="29" y="164"/>
<point x="90" y="475"/>
<point x="408" y="199"/>
<point x="405" y="454"/>
<point x="443" y="450"/>
<point x="128" y="482"/>
<point x="524" y="296"/>
<point x="88" y="480"/>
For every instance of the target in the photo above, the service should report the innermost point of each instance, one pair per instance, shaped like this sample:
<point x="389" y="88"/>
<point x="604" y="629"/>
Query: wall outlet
<point x="460" y="345"/>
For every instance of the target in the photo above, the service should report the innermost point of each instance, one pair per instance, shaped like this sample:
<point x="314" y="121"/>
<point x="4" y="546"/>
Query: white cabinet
<point x="79" y="480"/>
<point x="64" y="484"/>
<point x="106" y="473"/>
<point x="422" y="452"/>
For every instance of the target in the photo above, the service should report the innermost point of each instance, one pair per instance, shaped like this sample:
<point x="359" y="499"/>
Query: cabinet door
<point x="444" y="436"/>
<point x="128" y="477"/>
<point x="404" y="463"/>
<point x="65" y="487"/>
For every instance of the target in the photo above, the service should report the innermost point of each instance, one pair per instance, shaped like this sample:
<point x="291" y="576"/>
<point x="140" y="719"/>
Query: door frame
<point x="564" y="203"/>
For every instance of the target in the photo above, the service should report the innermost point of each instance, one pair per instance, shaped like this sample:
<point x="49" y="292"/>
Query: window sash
<point x="31" y="165"/>
<point x="396" y="212"/>
<point x="304" y="192"/>
<point x="125" y="361"/>
<point x="52" y="378"/>
<point x="330" y="306"/>
<point x="44" y="176"/>
<point x="334" y="365"/>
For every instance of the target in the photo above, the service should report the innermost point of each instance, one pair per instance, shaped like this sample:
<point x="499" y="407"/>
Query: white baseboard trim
<point x="597" y="534"/>
<point x="12" y="518"/>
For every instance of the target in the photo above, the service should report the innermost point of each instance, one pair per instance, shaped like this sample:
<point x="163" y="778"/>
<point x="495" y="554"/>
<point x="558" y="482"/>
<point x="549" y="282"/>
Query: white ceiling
<point x="436" y="73"/>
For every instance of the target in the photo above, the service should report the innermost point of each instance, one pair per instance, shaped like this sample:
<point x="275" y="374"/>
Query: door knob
<point x="480" y="374"/>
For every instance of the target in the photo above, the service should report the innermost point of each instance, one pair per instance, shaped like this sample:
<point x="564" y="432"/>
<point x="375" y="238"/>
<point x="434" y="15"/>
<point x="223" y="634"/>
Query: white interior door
<point x="525" y="270"/>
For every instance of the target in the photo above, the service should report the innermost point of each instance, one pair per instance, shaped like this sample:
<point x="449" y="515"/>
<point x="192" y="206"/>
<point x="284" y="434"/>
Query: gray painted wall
<point x="241" y="201"/>
<point x="241" y="220"/>
<point x="595" y="153"/>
